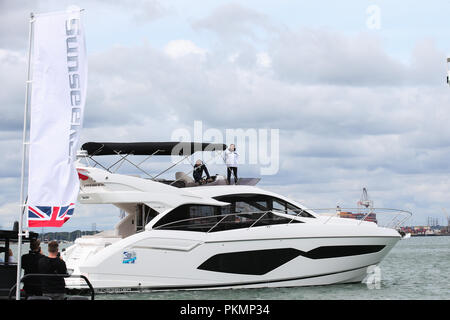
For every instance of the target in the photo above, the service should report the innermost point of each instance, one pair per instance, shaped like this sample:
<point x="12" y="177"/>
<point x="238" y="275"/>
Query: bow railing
<point x="383" y="217"/>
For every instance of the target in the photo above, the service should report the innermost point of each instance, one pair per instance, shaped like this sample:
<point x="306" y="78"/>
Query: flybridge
<point x="123" y="150"/>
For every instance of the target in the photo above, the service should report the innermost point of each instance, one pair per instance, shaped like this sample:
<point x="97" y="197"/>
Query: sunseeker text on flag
<point x="72" y="45"/>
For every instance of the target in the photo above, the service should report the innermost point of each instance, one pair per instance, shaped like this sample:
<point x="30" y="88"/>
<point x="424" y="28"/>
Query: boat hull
<point x="276" y="256"/>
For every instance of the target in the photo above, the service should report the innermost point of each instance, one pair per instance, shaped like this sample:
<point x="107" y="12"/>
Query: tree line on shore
<point x="65" y="236"/>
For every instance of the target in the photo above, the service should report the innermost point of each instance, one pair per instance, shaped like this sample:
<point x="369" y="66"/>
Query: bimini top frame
<point x="149" y="149"/>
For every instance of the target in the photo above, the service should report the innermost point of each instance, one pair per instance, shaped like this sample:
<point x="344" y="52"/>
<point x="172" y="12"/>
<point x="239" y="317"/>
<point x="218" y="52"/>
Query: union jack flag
<point x="39" y="216"/>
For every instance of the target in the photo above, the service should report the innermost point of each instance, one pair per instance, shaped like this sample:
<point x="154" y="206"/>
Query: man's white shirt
<point x="231" y="158"/>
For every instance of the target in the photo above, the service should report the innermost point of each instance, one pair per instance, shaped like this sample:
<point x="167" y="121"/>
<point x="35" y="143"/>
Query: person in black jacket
<point x="32" y="285"/>
<point x="199" y="167"/>
<point x="54" y="287"/>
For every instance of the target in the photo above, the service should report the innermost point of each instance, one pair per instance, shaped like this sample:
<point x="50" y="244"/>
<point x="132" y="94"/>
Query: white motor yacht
<point x="181" y="235"/>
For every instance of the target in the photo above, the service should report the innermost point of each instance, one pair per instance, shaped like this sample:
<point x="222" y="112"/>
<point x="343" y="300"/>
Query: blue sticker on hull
<point x="129" y="257"/>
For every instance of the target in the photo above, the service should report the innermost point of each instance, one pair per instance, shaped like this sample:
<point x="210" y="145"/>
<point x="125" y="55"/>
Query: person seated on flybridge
<point x="199" y="167"/>
<point x="53" y="287"/>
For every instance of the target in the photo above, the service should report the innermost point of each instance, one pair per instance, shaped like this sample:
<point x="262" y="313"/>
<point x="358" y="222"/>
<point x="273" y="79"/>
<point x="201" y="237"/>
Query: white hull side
<point x="169" y="260"/>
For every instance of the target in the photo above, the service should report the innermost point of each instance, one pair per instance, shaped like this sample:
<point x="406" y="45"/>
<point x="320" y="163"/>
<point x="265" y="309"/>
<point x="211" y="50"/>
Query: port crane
<point x="365" y="201"/>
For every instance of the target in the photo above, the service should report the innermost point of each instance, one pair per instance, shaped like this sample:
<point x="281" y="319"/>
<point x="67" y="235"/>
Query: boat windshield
<point x="261" y="202"/>
<point x="243" y="212"/>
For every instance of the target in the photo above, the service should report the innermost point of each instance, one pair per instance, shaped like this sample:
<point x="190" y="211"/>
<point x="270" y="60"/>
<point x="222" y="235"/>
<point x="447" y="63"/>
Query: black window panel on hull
<point x="259" y="262"/>
<point x="256" y="262"/>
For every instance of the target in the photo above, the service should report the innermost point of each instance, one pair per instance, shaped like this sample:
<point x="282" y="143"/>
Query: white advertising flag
<point x="59" y="73"/>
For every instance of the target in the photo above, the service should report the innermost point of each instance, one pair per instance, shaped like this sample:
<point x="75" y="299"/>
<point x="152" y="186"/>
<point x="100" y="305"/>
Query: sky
<point x="356" y="89"/>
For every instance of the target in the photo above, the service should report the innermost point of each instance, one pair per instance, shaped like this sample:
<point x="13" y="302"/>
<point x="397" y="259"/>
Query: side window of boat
<point x="192" y="218"/>
<point x="259" y="202"/>
<point x="250" y="206"/>
<point x="144" y="214"/>
<point x="241" y="203"/>
<point x="279" y="205"/>
<point x="286" y="207"/>
<point x="244" y="211"/>
<point x="256" y="210"/>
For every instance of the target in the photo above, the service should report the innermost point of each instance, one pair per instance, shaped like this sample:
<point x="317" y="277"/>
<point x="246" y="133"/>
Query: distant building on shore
<point x="426" y="230"/>
<point x="372" y="217"/>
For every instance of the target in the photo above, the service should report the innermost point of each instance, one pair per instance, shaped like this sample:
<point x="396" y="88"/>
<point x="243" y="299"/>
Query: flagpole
<point x="24" y="152"/>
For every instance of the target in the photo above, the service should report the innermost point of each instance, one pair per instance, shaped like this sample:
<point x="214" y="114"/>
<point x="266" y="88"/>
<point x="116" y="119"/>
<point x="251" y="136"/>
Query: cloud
<point x="350" y="115"/>
<point x="181" y="48"/>
<point x="329" y="57"/>
<point x="323" y="56"/>
<point x="15" y="15"/>
<point x="232" y="21"/>
<point x="141" y="11"/>
<point x="9" y="212"/>
<point x="14" y="23"/>
<point x="12" y="95"/>
<point x="427" y="64"/>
